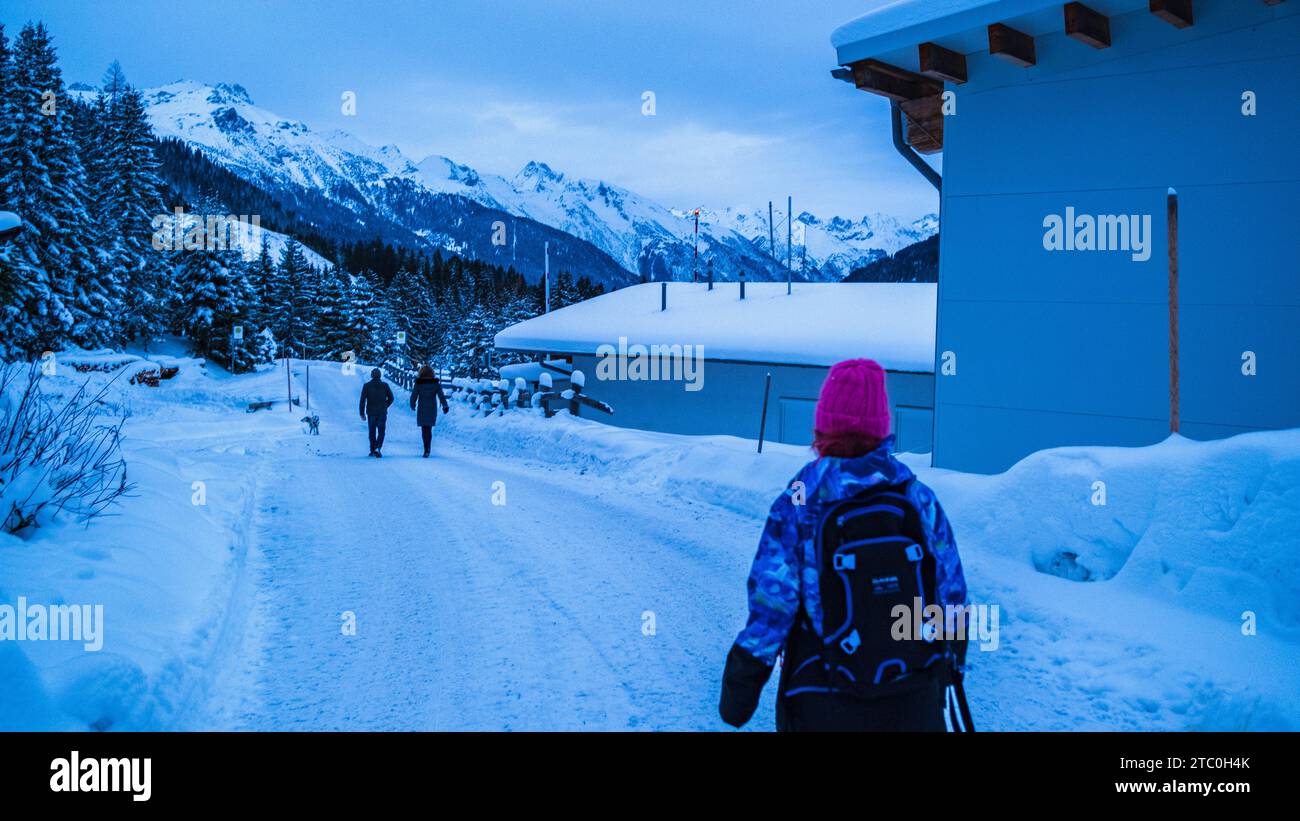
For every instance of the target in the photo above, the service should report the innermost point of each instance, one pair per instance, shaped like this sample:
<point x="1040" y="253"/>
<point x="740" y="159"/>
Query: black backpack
<point x="872" y="557"/>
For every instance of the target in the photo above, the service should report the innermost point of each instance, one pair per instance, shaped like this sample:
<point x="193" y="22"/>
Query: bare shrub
<point x="55" y="456"/>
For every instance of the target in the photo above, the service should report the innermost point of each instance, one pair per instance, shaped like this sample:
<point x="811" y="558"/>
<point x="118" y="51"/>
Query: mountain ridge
<point x="604" y="230"/>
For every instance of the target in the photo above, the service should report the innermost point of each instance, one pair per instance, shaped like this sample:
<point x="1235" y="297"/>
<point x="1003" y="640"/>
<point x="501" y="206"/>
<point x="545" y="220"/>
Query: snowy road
<point x="574" y="605"/>
<point x="604" y="593"/>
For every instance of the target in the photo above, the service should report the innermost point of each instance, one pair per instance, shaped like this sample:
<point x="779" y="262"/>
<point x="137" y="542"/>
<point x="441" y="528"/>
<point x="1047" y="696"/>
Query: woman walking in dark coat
<point x="425" y="396"/>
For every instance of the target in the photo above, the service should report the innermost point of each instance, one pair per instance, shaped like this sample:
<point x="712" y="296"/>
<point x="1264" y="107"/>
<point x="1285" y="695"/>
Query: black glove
<point x="742" y="684"/>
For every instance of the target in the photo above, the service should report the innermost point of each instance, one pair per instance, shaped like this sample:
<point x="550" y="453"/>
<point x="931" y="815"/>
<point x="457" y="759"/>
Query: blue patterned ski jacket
<point x="785" y="568"/>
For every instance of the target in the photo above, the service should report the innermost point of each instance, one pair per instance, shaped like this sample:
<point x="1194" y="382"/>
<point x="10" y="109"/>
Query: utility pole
<point x="695" y="266"/>
<point x="789" y="237"/>
<point x="771" y="237"/>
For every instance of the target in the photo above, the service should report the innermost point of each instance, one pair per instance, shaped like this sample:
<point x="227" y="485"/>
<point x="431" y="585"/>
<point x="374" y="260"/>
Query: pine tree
<point x="563" y="291"/>
<point x="263" y="277"/>
<point x="99" y="290"/>
<point x="133" y="198"/>
<point x="44" y="182"/>
<point x="114" y="80"/>
<point x="292" y="302"/>
<point x="332" y="328"/>
<point x="213" y="296"/>
<point x="361" y="318"/>
<point x="412" y="306"/>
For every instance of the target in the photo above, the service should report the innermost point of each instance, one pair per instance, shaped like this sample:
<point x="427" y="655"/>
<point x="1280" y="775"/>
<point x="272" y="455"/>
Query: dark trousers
<point x="426" y="433"/>
<point x="376" y="425"/>
<point x="920" y="710"/>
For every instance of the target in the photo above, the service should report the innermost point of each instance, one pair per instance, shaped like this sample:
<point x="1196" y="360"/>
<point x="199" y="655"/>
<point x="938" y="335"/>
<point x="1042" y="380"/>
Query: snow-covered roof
<point x="890" y="25"/>
<point x="819" y="324"/>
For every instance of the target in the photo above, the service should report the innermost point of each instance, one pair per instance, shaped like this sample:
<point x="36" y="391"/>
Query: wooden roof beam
<point x="1011" y="45"/>
<point x="941" y="63"/>
<point x="924" y="123"/>
<point x="890" y="81"/>
<point x="1177" y="13"/>
<point x="1087" y="26"/>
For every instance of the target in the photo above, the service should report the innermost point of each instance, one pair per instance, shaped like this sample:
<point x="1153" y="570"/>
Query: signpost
<point x="236" y="337"/>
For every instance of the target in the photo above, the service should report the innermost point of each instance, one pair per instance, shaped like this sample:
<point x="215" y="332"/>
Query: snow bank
<point x="1211" y="525"/>
<point x="164" y="567"/>
<point x="1132" y="614"/>
<point x="818" y="324"/>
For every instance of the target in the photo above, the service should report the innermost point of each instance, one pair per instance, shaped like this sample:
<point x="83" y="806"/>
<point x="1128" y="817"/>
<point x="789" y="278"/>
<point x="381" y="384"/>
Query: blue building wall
<point x="731" y="402"/>
<point x="1071" y="347"/>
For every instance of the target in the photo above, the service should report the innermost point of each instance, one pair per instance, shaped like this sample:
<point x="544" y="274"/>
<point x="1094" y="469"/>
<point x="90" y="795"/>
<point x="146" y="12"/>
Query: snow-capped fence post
<point x="663" y="295"/>
<point x="742" y="284"/>
<point x="403" y="377"/>
<point x="762" y="422"/>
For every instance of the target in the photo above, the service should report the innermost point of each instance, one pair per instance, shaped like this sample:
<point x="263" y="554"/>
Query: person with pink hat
<point x="857" y="583"/>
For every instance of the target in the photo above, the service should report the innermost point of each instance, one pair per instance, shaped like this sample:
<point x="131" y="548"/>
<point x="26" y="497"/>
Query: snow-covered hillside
<point x="643" y="236"/>
<point x="263" y="146"/>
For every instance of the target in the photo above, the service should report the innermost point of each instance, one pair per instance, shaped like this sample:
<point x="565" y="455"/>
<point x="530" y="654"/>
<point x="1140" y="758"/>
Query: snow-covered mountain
<point x="445" y="204"/>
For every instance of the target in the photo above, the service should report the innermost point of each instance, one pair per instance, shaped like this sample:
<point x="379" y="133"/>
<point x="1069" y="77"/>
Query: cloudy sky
<point x="745" y="109"/>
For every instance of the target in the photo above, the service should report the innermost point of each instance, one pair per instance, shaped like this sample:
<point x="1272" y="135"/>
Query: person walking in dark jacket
<point x="376" y="396"/>
<point x="425" y="396"/>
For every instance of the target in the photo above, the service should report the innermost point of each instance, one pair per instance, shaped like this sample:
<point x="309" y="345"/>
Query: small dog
<point x="313" y="424"/>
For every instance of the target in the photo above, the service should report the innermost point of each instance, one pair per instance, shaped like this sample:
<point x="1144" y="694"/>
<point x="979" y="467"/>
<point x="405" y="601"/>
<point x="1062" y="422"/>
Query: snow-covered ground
<point x="562" y="574"/>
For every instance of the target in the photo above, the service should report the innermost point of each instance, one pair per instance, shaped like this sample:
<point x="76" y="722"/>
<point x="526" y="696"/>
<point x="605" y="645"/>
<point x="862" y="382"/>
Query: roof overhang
<point x="891" y="32"/>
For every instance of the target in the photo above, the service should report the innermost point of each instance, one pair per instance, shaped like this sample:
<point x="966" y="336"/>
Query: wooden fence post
<point x="1171" y="213"/>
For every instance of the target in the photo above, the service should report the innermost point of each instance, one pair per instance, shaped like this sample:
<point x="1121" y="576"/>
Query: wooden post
<point x="771" y="236"/>
<point x="1171" y="209"/>
<point x="309" y="390"/>
<point x="663" y="296"/>
<point x="288" y="379"/>
<point x="762" y="423"/>
<point x="789" y="236"/>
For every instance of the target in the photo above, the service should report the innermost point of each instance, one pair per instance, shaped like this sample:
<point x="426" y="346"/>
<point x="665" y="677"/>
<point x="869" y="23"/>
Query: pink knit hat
<point x="853" y="401"/>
